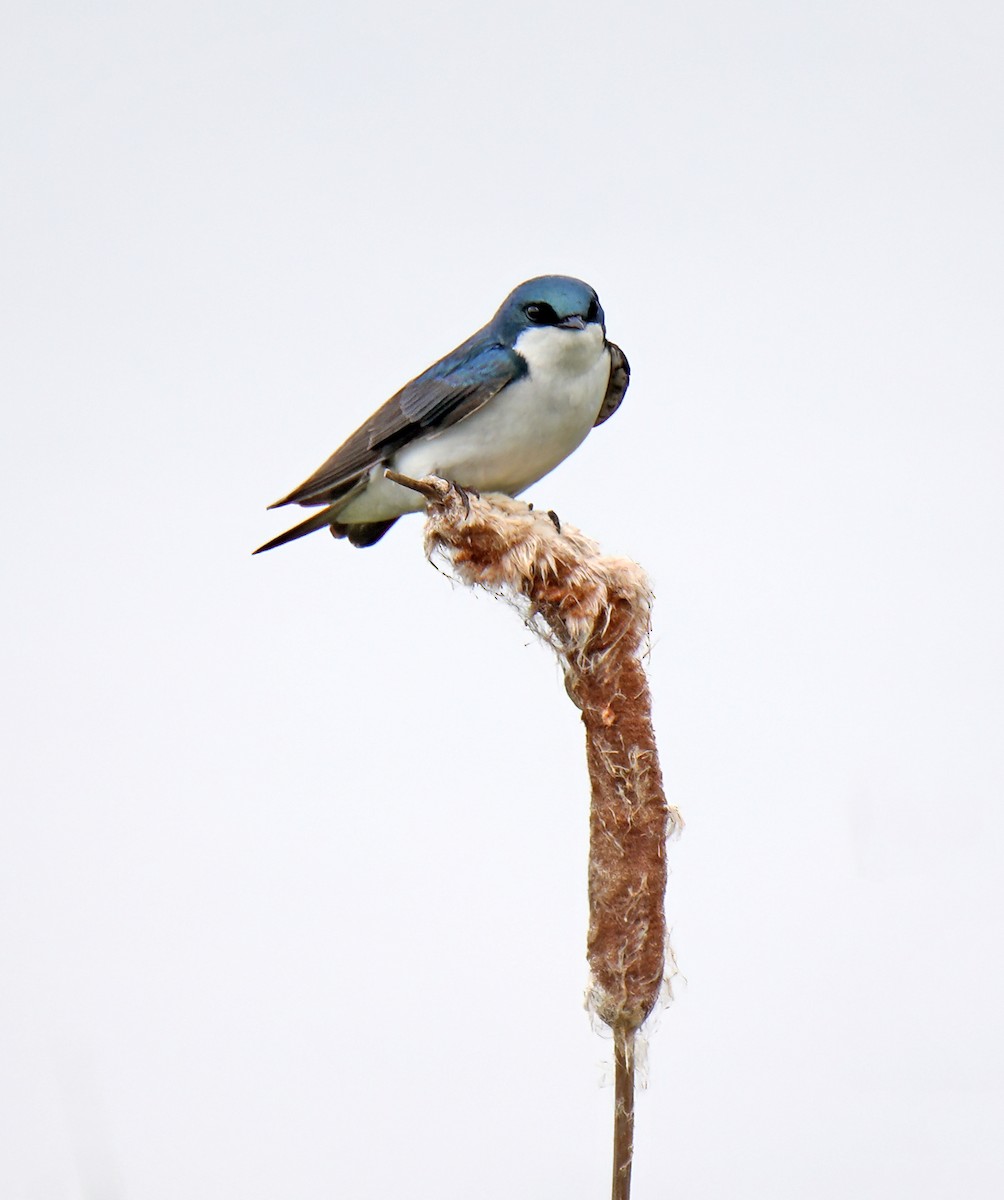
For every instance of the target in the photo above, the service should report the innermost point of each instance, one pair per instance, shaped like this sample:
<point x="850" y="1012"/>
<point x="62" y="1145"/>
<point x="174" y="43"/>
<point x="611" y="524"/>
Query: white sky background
<point x="293" y="870"/>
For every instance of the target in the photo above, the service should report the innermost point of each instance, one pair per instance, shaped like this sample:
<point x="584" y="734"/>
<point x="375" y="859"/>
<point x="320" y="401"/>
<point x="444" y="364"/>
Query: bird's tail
<point x="318" y="521"/>
<point x="359" y="535"/>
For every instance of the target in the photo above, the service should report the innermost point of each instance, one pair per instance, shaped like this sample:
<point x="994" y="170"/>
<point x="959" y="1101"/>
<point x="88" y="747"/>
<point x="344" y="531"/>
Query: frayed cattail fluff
<point x="594" y="610"/>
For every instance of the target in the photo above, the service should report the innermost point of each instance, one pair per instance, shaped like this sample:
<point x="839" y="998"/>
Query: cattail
<point x="594" y="611"/>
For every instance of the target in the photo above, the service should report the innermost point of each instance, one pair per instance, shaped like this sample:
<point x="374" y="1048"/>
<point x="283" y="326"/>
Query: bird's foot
<point x="465" y="494"/>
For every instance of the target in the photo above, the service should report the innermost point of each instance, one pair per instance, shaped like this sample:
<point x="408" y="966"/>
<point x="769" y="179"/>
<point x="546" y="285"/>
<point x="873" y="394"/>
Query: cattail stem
<point x="594" y="612"/>
<point x="623" y="1112"/>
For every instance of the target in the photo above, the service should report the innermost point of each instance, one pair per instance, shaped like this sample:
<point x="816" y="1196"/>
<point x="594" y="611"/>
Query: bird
<point x="494" y="415"/>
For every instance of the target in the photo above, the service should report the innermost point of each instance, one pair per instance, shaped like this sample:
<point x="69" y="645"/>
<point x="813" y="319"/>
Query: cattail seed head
<point x="594" y="611"/>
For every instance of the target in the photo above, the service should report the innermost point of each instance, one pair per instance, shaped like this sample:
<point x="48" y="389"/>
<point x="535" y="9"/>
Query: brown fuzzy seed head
<point x="594" y="611"/>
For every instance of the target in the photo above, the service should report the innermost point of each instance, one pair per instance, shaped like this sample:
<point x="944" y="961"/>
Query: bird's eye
<point x="541" y="314"/>
<point x="593" y="311"/>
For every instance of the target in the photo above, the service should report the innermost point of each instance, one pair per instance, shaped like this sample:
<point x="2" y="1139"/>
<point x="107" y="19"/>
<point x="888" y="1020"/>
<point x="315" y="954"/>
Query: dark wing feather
<point x="620" y="374"/>
<point x="452" y="389"/>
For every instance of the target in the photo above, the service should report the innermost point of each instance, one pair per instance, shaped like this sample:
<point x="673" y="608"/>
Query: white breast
<point x="518" y="436"/>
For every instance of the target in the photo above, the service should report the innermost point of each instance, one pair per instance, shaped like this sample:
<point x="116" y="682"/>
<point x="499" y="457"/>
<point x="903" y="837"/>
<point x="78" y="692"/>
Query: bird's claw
<point x="554" y="519"/>
<point x="465" y="495"/>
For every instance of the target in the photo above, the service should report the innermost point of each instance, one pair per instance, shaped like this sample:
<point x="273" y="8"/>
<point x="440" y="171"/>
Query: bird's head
<point x="549" y="301"/>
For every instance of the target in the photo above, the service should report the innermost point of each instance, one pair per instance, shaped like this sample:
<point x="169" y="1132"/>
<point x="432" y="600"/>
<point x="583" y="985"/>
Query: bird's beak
<point x="571" y="323"/>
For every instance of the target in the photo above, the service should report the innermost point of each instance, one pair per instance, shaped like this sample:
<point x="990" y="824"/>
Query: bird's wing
<point x="620" y="373"/>
<point x="448" y="391"/>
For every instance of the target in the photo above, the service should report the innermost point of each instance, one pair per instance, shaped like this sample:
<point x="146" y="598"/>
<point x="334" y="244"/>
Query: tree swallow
<point x="495" y="415"/>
